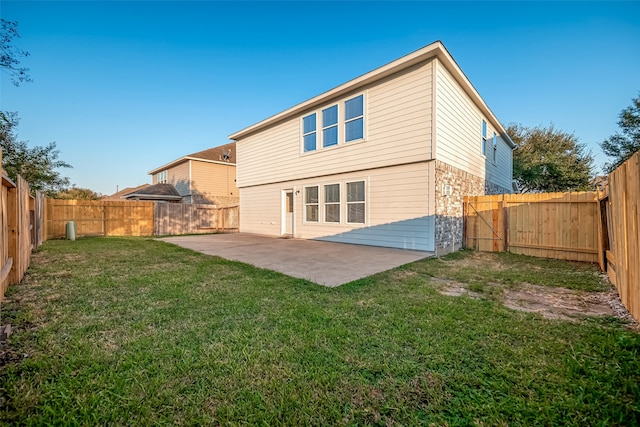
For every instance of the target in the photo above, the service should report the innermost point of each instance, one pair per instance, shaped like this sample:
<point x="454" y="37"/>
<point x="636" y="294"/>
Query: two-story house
<point x="384" y="159"/>
<point x="205" y="177"/>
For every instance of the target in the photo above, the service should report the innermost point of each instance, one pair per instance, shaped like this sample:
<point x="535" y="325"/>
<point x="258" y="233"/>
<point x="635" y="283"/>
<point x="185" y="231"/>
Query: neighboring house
<point x="384" y="159"/>
<point x="156" y="193"/>
<point x="205" y="177"/>
<point x="600" y="183"/>
<point x="119" y="195"/>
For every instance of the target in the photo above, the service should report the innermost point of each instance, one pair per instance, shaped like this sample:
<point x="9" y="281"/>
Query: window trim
<point x="313" y="132"/>
<point x="364" y="202"/>
<point x="353" y="119"/>
<point x="336" y="125"/>
<point x="484" y="138"/>
<point x="305" y="203"/>
<point x="341" y="125"/>
<point x="325" y="203"/>
<point x="162" y="177"/>
<point x="495" y="148"/>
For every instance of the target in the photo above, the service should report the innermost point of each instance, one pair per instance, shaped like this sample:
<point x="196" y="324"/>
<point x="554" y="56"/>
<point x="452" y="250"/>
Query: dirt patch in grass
<point x="551" y="303"/>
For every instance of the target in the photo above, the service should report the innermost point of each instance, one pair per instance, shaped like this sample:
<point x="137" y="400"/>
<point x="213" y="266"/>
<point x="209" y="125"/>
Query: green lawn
<point x="118" y="331"/>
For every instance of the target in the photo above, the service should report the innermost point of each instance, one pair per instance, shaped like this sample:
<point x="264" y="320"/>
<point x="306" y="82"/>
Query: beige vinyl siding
<point x="397" y="209"/>
<point x="459" y="134"/>
<point x="213" y="179"/>
<point x="261" y="210"/>
<point x="397" y="130"/>
<point x="179" y="177"/>
<point x="458" y="126"/>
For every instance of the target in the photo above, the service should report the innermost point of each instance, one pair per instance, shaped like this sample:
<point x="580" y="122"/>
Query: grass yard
<point x="125" y="331"/>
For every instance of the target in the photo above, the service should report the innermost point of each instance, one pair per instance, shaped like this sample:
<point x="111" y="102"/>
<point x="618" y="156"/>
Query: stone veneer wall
<point x="448" y="209"/>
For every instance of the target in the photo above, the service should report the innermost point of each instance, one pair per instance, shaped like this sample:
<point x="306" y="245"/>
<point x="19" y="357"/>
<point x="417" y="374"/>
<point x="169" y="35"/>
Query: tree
<point x="36" y="165"/>
<point x="623" y="145"/>
<point x="9" y="54"/>
<point x="547" y="159"/>
<point x="77" y="193"/>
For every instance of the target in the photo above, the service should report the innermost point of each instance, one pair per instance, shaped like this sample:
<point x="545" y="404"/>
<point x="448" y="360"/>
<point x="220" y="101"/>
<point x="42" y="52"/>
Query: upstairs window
<point x="330" y="126"/>
<point x="161" y="177"/>
<point x="333" y="125"/>
<point x="484" y="138"/>
<point x="309" y="132"/>
<point x="311" y="204"/>
<point x="355" y="202"/>
<point x="354" y="118"/>
<point x="332" y="203"/>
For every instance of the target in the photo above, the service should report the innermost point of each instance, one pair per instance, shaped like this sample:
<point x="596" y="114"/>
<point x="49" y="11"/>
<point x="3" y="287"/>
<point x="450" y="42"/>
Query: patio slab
<point x="324" y="263"/>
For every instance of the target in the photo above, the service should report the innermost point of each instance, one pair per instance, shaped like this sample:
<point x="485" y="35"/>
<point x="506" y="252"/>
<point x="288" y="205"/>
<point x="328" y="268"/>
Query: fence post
<point x="464" y="222"/>
<point x="13" y="219"/>
<point x="505" y="220"/>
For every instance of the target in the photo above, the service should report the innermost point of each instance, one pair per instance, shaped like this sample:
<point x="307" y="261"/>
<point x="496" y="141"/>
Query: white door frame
<point x="283" y="204"/>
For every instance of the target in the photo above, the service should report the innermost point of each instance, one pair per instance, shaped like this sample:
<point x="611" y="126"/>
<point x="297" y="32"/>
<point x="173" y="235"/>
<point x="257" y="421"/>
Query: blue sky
<point x="124" y="87"/>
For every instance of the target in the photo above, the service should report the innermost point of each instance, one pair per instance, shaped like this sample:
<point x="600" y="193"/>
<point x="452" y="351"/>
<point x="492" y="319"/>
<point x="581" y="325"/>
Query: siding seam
<point x="337" y="173"/>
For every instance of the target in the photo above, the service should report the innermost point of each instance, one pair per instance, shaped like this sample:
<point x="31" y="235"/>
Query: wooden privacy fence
<point x="586" y="226"/>
<point x="20" y="221"/>
<point x="177" y="218"/>
<point x="133" y="218"/>
<point x="99" y="218"/>
<point x="548" y="225"/>
<point x="621" y="231"/>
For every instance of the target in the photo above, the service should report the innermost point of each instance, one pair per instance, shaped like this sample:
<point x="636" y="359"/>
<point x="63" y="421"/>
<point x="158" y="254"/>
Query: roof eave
<point x="186" y="159"/>
<point x="379" y="73"/>
<point x="435" y="49"/>
<point x="152" y="196"/>
<point x="168" y="165"/>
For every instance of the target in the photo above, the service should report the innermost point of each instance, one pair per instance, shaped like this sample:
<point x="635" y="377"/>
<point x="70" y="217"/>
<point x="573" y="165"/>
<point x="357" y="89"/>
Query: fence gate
<point x="484" y="228"/>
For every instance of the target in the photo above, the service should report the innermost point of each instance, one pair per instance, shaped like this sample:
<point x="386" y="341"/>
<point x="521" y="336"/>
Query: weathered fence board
<point x="177" y="218"/>
<point x="549" y="225"/>
<point x="134" y="218"/>
<point x="37" y="231"/>
<point x="15" y="230"/>
<point x="623" y="216"/>
<point x="6" y="260"/>
<point x="99" y="218"/>
<point x="21" y="232"/>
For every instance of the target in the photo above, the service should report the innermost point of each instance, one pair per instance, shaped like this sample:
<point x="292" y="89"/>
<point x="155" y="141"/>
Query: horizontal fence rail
<point x="99" y="218"/>
<point x="548" y="225"/>
<point x="177" y="218"/>
<point x="136" y="218"/>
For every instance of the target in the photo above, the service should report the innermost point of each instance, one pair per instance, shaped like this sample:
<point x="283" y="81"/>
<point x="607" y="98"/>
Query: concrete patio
<point x="324" y="263"/>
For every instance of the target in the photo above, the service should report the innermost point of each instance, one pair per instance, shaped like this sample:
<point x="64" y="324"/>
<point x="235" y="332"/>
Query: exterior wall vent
<point x="447" y="190"/>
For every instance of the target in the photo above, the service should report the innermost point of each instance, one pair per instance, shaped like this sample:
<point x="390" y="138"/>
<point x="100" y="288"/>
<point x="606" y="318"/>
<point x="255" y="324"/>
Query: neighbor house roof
<point x="211" y="155"/>
<point x="435" y="49"/>
<point x="120" y="194"/>
<point x="156" y="192"/>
